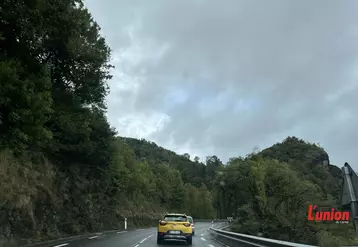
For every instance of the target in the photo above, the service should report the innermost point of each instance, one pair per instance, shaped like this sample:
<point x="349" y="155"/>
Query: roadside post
<point x="125" y="223"/>
<point x="349" y="193"/>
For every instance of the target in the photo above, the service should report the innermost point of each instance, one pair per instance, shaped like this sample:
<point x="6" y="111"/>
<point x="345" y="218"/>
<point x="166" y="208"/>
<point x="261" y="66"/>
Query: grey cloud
<point x="289" y="57"/>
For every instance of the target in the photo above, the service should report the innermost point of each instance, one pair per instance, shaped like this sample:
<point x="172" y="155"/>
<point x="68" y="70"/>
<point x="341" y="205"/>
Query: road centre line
<point x="93" y="237"/>
<point x="60" y="245"/>
<point x="143" y="240"/>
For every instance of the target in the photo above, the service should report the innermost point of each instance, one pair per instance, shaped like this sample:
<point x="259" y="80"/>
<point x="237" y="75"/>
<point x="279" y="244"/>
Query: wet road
<point x="139" y="238"/>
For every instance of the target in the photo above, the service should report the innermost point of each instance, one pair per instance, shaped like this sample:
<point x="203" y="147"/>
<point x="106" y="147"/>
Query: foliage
<point x="269" y="192"/>
<point x="193" y="172"/>
<point x="296" y="149"/>
<point x="25" y="105"/>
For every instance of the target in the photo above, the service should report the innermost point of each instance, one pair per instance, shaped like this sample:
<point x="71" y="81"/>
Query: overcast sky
<point x="224" y="77"/>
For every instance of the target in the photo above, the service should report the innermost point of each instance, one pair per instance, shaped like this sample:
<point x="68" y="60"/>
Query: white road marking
<point x="150" y="236"/>
<point x="210" y="245"/>
<point x="202" y="234"/>
<point x="122" y="232"/>
<point x="93" y="237"/>
<point x="136" y="245"/>
<point x="60" y="245"/>
<point x="203" y="239"/>
<point x="142" y="240"/>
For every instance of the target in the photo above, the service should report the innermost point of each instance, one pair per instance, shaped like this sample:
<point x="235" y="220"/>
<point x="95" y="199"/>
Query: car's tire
<point x="189" y="241"/>
<point x="193" y="233"/>
<point x="159" y="240"/>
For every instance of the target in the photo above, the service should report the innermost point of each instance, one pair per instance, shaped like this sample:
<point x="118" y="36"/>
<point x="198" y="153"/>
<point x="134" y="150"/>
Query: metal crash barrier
<point x="233" y="239"/>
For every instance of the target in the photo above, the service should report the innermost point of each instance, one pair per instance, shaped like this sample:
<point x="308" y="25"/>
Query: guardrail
<point x="234" y="239"/>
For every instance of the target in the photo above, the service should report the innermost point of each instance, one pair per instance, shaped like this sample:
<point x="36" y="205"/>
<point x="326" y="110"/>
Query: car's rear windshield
<point x="190" y="219"/>
<point x="177" y="218"/>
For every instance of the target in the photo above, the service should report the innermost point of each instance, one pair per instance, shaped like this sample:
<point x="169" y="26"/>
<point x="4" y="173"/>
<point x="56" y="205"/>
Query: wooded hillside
<point x="269" y="192"/>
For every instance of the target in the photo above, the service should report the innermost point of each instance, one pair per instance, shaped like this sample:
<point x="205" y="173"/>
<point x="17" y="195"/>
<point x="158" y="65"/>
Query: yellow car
<point x="175" y="227"/>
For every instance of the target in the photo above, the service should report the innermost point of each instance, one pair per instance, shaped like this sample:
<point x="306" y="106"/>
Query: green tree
<point x="196" y="159"/>
<point x="25" y="107"/>
<point x="204" y="204"/>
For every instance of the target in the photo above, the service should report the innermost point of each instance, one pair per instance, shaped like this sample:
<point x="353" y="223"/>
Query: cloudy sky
<point x="225" y="77"/>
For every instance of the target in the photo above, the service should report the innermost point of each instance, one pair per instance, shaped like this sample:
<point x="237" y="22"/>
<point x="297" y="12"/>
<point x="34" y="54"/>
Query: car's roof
<point x="175" y="214"/>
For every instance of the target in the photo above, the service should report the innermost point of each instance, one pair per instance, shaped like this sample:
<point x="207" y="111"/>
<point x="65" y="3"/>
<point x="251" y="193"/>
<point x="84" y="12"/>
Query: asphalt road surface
<point x="139" y="238"/>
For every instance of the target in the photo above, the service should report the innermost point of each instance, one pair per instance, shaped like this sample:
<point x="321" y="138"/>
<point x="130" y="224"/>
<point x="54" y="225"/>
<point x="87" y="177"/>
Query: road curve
<point x="138" y="238"/>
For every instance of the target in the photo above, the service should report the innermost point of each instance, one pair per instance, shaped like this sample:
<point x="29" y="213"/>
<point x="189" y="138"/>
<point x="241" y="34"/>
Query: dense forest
<point x="64" y="170"/>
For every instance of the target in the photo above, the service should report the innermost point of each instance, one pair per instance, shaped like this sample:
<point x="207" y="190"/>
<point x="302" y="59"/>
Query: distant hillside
<point x="296" y="149"/>
<point x="192" y="172"/>
<point x="310" y="160"/>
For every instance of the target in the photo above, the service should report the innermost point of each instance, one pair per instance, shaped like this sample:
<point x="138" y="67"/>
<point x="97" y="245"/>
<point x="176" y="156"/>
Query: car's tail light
<point x="192" y="224"/>
<point x="187" y="224"/>
<point x="162" y="223"/>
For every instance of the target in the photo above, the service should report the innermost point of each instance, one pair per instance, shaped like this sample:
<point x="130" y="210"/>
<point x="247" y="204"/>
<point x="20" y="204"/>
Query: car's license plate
<point x="174" y="232"/>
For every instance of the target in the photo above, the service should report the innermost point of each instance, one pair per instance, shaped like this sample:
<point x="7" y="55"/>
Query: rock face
<point x="334" y="170"/>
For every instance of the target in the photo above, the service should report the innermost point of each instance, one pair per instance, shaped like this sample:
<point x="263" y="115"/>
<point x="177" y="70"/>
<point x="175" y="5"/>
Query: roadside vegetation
<point x="65" y="171"/>
<point x="269" y="192"/>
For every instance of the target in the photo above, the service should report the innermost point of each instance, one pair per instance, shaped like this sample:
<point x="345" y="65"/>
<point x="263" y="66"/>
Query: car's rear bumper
<point x="174" y="237"/>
